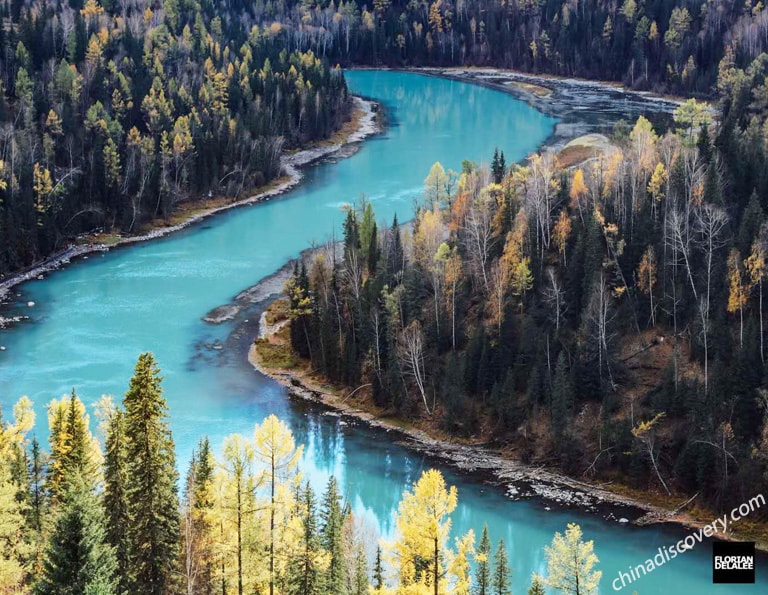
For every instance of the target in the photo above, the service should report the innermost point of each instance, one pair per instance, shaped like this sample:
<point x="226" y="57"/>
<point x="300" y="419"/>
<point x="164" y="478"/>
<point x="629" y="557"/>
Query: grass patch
<point x="277" y="311"/>
<point x="275" y="356"/>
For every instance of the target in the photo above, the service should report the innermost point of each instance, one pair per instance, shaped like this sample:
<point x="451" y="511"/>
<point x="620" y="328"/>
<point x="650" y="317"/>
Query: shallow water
<point x="93" y="318"/>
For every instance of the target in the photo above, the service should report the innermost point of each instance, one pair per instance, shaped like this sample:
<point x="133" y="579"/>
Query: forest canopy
<point x="112" y="114"/>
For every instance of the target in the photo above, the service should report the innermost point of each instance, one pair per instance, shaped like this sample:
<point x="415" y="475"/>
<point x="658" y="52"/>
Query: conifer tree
<point x="38" y="502"/>
<point x="562" y="397"/>
<point x="536" y="588"/>
<point x="483" y="564"/>
<point x="378" y="570"/>
<point x="360" y="583"/>
<point x="115" y="502"/>
<point x="196" y="521"/>
<point x="500" y="580"/>
<point x="74" y="453"/>
<point x="332" y="521"/>
<point x="152" y="501"/>
<point x="78" y="560"/>
<point x="304" y="572"/>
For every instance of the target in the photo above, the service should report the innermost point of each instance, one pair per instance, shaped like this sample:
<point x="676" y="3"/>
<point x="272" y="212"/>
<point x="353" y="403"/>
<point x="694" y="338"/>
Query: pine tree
<point x="378" y="570"/>
<point x="500" y="580"/>
<point x="78" y="560"/>
<point x="562" y="397"/>
<point x="196" y="521"/>
<point x="395" y="254"/>
<point x="38" y="501"/>
<point x="332" y="520"/>
<point x="152" y="501"/>
<point x="483" y="565"/>
<point x="304" y="576"/>
<point x="536" y="588"/>
<point x="72" y="445"/>
<point x="360" y="584"/>
<point x="115" y="502"/>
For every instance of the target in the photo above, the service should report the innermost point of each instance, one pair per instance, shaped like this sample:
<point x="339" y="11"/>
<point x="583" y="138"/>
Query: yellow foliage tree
<point x="561" y="233"/>
<point x="423" y="524"/>
<point x="275" y="448"/>
<point x="738" y="293"/>
<point x="571" y="563"/>
<point x="646" y="277"/>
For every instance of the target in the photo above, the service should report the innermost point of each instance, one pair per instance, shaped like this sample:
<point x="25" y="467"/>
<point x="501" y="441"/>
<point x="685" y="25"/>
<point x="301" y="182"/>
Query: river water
<point x="92" y="319"/>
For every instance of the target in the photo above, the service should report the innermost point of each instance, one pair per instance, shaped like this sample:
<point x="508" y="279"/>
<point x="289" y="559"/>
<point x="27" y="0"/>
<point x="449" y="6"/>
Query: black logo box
<point x="733" y="562"/>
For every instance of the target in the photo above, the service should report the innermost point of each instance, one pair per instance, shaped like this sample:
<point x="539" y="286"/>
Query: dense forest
<point x="114" y="112"/>
<point x="111" y="114"/>
<point x="100" y="514"/>
<point x="652" y="44"/>
<point x="607" y="317"/>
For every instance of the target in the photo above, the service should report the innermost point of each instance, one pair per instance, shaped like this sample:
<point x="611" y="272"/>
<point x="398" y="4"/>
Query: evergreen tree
<point x="562" y="397"/>
<point x="332" y="521"/>
<point x="536" y="588"/>
<point x="115" y="500"/>
<point x="483" y="565"/>
<point x="78" y="560"/>
<point x="38" y="501"/>
<point x="360" y="583"/>
<point x="378" y="570"/>
<point x="152" y="501"/>
<point x="72" y="445"/>
<point x="304" y="576"/>
<point x="500" y="580"/>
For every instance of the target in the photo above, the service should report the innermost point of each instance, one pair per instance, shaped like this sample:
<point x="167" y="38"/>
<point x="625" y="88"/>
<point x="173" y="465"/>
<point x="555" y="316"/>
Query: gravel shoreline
<point x="291" y="165"/>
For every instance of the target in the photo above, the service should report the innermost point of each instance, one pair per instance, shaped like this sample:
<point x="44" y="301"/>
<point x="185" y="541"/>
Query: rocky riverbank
<point x="365" y="124"/>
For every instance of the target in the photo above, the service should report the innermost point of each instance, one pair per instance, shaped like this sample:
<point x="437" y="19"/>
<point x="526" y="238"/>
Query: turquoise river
<point x="92" y="319"/>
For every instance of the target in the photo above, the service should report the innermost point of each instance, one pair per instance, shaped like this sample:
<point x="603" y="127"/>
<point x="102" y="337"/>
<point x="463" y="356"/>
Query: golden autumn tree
<point x="234" y="486"/>
<point x="42" y="185"/>
<point x="561" y="233"/>
<point x="15" y="550"/>
<point x="756" y="268"/>
<point x="578" y="190"/>
<point x="657" y="185"/>
<point x="453" y="277"/>
<point x="571" y="563"/>
<point x="423" y="524"/>
<point x="738" y="293"/>
<point x="646" y="277"/>
<point x="275" y="448"/>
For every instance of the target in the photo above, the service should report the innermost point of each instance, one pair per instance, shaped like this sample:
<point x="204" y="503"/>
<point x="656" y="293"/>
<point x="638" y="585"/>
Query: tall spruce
<point x="483" y="565"/>
<point x="304" y="573"/>
<point x="115" y="499"/>
<point x="500" y="580"/>
<point x="332" y="521"/>
<point x="78" y="560"/>
<point x="151" y="495"/>
<point x="378" y="570"/>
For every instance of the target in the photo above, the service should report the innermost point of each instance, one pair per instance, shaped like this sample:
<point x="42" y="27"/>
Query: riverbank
<point x="362" y="124"/>
<point x="568" y="99"/>
<point x="270" y="355"/>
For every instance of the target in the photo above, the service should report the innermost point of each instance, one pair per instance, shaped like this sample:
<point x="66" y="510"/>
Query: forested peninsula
<point x="604" y="317"/>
